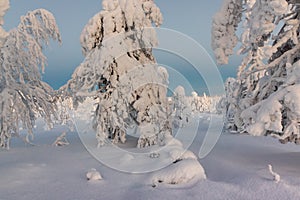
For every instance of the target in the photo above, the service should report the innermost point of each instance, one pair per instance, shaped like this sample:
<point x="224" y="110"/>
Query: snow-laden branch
<point x="224" y="26"/>
<point x="4" y="6"/>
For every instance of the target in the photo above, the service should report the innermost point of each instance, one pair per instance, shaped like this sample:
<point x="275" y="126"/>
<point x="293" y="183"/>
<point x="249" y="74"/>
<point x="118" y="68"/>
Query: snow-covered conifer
<point x="23" y="96"/>
<point x="264" y="99"/>
<point x="121" y="72"/>
<point x="181" y="108"/>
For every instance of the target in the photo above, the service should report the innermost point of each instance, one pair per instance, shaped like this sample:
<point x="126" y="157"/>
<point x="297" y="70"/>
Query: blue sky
<point x="191" y="17"/>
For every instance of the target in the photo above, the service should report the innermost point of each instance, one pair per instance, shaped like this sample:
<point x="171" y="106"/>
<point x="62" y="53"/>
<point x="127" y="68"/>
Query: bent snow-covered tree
<point x="121" y="72"/>
<point x="264" y="99"/>
<point x="23" y="96"/>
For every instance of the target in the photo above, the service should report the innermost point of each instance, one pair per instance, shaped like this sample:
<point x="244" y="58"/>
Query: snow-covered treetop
<point x="119" y="16"/>
<point x="22" y="50"/>
<point x="41" y="25"/>
<point x="194" y="94"/>
<point x="179" y="92"/>
<point x="261" y="19"/>
<point x="4" y="6"/>
<point x="122" y="27"/>
<point x="225" y="23"/>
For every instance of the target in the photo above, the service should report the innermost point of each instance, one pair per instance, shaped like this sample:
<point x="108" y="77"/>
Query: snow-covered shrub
<point x="180" y="172"/>
<point x="185" y="166"/>
<point x="23" y="96"/>
<point x="121" y="73"/>
<point x="264" y="98"/>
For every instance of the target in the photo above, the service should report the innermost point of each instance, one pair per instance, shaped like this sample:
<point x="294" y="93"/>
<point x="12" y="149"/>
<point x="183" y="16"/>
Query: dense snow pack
<point x="237" y="168"/>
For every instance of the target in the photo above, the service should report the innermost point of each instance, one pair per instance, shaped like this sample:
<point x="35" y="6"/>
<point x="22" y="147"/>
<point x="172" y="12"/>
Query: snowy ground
<point x="235" y="169"/>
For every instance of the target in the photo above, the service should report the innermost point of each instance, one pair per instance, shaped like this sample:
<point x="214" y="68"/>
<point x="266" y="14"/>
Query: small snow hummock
<point x="276" y="177"/>
<point x="185" y="167"/>
<point x="183" y="171"/>
<point x="93" y="175"/>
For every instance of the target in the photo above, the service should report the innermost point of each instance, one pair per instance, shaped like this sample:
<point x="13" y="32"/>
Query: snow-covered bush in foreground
<point x="264" y="99"/>
<point x="121" y="72"/>
<point x="185" y="167"/>
<point x="180" y="172"/>
<point x="23" y="96"/>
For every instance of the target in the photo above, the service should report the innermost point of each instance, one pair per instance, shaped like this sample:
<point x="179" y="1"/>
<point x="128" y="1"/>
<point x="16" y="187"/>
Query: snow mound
<point x="180" y="172"/>
<point x="178" y="154"/>
<point x="185" y="166"/>
<point x="93" y="175"/>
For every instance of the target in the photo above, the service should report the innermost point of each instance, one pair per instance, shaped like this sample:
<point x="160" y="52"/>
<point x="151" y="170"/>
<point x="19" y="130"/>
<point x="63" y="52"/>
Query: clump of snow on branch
<point x="264" y="98"/>
<point x="23" y="96"/>
<point x="225" y="23"/>
<point x="121" y="73"/>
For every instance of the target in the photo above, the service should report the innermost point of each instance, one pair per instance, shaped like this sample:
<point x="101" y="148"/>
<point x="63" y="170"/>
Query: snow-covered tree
<point x="203" y="104"/>
<point x="264" y="99"/>
<point x="181" y="107"/>
<point x="23" y="96"/>
<point x="121" y="72"/>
